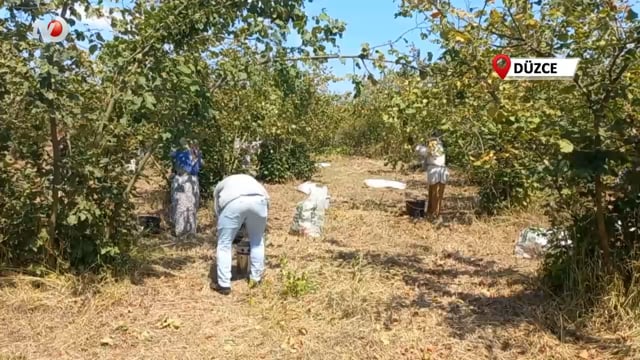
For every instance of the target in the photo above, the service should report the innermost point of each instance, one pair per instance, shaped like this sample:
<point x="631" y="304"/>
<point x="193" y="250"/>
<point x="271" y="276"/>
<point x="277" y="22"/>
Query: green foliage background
<point x="223" y="73"/>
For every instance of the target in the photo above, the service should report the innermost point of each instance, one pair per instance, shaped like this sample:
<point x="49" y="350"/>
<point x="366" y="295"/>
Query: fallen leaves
<point x="145" y="336"/>
<point x="292" y="344"/>
<point x="385" y="341"/>
<point x="587" y="354"/>
<point x="169" y="323"/>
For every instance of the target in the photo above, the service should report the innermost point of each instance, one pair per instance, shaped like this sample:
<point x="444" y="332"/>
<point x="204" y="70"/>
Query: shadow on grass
<point x="162" y="256"/>
<point x="158" y="266"/>
<point x="385" y="172"/>
<point x="442" y="282"/>
<point x="385" y="205"/>
<point x="460" y="202"/>
<point x="235" y="275"/>
<point x="417" y="185"/>
<point x="335" y="242"/>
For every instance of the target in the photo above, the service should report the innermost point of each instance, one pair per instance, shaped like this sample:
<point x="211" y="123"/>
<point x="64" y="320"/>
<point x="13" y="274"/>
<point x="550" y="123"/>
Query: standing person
<point x="240" y="200"/>
<point x="437" y="174"/>
<point x="185" y="189"/>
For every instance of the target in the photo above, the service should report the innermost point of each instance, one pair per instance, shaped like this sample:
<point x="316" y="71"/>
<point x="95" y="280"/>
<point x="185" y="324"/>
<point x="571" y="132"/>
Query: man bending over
<point x="240" y="199"/>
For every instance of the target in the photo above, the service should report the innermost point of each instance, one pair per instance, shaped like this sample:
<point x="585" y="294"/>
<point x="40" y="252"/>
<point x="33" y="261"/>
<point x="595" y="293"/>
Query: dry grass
<point x="384" y="287"/>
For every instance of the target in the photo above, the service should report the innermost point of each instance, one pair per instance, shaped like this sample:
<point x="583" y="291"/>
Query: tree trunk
<point x="139" y="170"/>
<point x="602" y="229"/>
<point x="603" y="236"/>
<point x="55" y="184"/>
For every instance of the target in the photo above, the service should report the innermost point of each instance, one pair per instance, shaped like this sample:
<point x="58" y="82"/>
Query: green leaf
<point x="492" y="111"/>
<point x="323" y="16"/>
<point x="568" y="89"/>
<point x="93" y="48"/>
<point x="565" y="145"/>
<point x="72" y="220"/>
<point x="185" y="69"/>
<point x="149" y="101"/>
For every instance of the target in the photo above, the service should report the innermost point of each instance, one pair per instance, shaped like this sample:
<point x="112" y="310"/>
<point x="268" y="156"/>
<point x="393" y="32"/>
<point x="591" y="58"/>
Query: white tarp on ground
<point x="309" y="216"/>
<point x="533" y="242"/>
<point x="382" y="183"/>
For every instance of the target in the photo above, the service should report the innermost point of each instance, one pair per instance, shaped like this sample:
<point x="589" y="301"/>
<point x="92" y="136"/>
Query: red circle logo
<point x="55" y="28"/>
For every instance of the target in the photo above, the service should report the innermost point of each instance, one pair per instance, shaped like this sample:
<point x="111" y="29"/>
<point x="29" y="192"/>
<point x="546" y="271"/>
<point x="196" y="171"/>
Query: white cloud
<point x="101" y="23"/>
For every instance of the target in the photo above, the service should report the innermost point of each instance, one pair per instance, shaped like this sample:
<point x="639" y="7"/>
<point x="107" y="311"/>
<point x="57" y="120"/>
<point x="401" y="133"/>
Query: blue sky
<point x="368" y="21"/>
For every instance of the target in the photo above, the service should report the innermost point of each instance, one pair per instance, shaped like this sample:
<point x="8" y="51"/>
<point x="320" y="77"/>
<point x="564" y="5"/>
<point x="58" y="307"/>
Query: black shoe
<point x="220" y="289"/>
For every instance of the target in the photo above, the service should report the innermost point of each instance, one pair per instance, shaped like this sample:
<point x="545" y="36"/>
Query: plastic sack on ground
<point x="533" y="242"/>
<point x="306" y="187"/>
<point x="309" y="216"/>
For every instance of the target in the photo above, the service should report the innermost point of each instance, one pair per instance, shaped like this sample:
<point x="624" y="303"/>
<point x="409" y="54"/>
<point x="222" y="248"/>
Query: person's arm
<point x="266" y="196"/>
<point x="197" y="164"/>
<point x="216" y="197"/>
<point x="200" y="159"/>
<point x="422" y="150"/>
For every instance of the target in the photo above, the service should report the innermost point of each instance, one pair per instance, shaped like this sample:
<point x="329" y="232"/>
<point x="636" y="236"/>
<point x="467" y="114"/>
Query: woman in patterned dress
<point x="185" y="189"/>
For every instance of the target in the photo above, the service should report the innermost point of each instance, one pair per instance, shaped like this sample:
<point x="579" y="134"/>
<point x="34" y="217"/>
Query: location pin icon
<point x="501" y="71"/>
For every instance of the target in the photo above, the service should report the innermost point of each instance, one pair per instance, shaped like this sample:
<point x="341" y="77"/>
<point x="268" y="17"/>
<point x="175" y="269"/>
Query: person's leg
<point x="193" y="205"/>
<point x="443" y="177"/>
<point x="196" y="181"/>
<point x="181" y="212"/>
<point x="174" y="204"/>
<point x="229" y="222"/>
<point x="432" y="200"/>
<point x="440" y="196"/>
<point x="256" y="223"/>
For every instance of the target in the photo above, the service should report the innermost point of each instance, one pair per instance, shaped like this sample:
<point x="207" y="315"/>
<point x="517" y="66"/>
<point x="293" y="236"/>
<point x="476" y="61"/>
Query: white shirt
<point x="434" y="156"/>
<point x="235" y="186"/>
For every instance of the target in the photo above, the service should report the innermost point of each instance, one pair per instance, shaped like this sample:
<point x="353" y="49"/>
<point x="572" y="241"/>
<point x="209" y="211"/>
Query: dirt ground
<point x="378" y="286"/>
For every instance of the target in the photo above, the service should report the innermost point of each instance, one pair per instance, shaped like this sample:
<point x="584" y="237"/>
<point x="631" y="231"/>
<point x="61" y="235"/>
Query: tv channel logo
<point x="54" y="31"/>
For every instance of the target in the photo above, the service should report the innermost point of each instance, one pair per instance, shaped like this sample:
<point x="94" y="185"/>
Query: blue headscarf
<point x="185" y="162"/>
